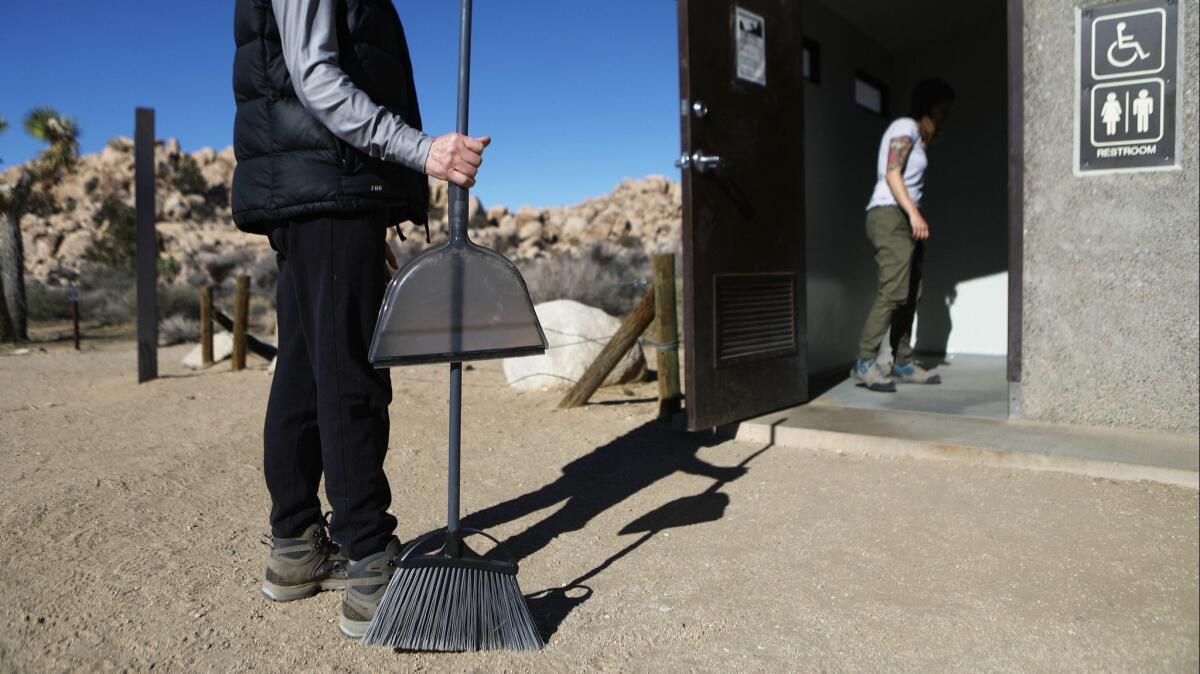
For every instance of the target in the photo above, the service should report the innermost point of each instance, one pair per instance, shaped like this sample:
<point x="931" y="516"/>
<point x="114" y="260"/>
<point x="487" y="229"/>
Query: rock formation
<point x="639" y="217"/>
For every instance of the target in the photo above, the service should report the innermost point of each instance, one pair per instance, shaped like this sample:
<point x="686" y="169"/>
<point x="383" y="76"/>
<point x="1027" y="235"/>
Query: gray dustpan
<point x="457" y="301"/>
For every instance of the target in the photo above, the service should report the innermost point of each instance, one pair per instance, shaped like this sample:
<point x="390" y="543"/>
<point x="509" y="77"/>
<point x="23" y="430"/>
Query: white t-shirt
<point x="914" y="170"/>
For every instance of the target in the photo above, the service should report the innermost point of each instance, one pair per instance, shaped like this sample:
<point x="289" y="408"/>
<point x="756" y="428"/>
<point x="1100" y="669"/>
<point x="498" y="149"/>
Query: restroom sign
<point x="1126" y="67"/>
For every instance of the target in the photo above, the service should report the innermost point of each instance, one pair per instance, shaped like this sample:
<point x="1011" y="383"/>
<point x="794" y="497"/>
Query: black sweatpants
<point x="328" y="410"/>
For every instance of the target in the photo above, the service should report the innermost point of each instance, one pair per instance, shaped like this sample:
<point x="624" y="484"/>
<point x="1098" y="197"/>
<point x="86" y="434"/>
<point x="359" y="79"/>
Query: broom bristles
<point x="452" y="608"/>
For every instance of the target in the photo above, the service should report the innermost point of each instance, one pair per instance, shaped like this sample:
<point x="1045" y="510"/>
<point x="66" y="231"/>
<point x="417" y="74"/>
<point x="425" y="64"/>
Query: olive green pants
<point x="899" y="261"/>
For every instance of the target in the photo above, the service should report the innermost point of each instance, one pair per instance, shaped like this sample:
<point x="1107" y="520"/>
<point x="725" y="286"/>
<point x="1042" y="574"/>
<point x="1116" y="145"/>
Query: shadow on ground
<point x="600" y="480"/>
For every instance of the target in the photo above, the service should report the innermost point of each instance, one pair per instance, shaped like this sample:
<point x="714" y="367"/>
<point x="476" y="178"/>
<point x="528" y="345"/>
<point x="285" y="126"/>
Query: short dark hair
<point x="929" y="93"/>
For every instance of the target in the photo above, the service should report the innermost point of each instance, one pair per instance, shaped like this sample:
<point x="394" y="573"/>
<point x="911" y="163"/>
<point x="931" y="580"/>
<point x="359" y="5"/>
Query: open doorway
<point x="861" y="61"/>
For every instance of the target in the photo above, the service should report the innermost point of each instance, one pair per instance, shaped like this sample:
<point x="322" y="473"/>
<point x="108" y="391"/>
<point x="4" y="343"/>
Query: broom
<point x="453" y="599"/>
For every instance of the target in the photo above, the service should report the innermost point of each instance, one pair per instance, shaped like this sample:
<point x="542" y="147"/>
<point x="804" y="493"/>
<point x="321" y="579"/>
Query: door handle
<point x="702" y="163"/>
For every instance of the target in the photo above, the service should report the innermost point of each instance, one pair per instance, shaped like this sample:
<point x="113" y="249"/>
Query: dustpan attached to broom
<point x="457" y="301"/>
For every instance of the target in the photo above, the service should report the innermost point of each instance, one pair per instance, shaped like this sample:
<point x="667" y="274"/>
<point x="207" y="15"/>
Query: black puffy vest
<point x="288" y="163"/>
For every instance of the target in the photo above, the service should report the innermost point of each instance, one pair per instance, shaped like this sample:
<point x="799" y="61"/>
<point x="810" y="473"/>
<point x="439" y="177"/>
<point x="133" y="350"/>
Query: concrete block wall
<point x="1111" y="331"/>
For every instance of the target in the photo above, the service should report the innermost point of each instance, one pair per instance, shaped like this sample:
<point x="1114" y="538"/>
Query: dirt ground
<point x="130" y="519"/>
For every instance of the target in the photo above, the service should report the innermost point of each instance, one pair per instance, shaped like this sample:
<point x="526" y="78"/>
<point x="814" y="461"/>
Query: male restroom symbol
<point x="1143" y="107"/>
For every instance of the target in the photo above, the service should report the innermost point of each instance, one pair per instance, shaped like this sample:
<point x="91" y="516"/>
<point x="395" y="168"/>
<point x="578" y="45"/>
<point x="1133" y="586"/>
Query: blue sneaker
<point x="868" y="374"/>
<point x="911" y="373"/>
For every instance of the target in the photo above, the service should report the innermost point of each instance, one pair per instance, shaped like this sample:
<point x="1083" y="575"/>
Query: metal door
<point x="741" y="88"/>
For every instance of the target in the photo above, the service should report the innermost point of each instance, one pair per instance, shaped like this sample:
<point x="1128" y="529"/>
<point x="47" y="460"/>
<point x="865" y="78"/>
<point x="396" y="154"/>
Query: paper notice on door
<point x="751" y="39"/>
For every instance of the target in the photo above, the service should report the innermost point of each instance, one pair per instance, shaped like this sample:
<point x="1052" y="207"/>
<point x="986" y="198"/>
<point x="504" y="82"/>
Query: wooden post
<point x="668" y="336"/>
<point x="241" y="315"/>
<point x="73" y="299"/>
<point x="635" y="324"/>
<point x="146" y="245"/>
<point x="206" y="323"/>
<point x="254" y="345"/>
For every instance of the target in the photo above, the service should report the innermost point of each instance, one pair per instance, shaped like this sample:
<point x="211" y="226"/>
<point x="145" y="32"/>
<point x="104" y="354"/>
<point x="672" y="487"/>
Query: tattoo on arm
<point x="898" y="150"/>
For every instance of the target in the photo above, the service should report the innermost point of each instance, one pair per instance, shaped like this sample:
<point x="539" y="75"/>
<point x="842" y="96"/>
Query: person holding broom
<point x="330" y="154"/>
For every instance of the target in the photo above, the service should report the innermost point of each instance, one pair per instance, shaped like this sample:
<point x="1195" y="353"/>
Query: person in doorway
<point x="330" y="154"/>
<point x="898" y="231"/>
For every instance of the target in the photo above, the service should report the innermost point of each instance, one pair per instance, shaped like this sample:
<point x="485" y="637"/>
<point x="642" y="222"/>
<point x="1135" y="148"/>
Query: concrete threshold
<point x="1113" y="453"/>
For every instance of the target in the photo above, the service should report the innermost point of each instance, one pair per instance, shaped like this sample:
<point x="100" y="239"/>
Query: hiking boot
<point x="869" y="374"/>
<point x="301" y="567"/>
<point x="911" y="373"/>
<point x="366" y="581"/>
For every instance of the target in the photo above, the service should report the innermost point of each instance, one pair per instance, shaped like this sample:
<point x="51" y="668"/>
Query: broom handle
<point x="458" y="195"/>
<point x="455" y="445"/>
<point x="458" y="230"/>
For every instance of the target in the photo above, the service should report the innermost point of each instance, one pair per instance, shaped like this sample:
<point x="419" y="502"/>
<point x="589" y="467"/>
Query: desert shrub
<point x="597" y="277"/>
<point x="41" y="204"/>
<point x="218" y="196"/>
<point x="629" y="241"/>
<point x="107" y="298"/>
<point x="110" y="298"/>
<point x="46" y="303"/>
<point x="178" y="329"/>
<point x="204" y="212"/>
<point x="264" y="274"/>
<point x="188" y="179"/>
<point x="226" y="266"/>
<point x="116" y="247"/>
<point x="178" y="300"/>
<point x="168" y="268"/>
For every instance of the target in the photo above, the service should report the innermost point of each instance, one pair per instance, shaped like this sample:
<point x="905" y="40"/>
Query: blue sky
<point x="577" y="95"/>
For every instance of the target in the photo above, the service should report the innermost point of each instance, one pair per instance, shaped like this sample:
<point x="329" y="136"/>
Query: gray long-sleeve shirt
<point x="307" y="29"/>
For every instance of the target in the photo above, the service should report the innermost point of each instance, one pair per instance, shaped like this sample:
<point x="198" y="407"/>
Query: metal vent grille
<point x="755" y="316"/>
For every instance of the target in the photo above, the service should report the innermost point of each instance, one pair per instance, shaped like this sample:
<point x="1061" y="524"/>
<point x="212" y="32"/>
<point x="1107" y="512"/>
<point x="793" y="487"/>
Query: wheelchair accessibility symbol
<point x="1125" y="43"/>
<point x="1128" y="43"/>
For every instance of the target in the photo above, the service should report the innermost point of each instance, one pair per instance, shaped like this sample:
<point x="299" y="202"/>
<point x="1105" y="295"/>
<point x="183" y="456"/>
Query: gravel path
<point x="130" y="519"/>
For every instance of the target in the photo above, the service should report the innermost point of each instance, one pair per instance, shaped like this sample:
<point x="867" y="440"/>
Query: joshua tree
<point x="7" y="334"/>
<point x="62" y="135"/>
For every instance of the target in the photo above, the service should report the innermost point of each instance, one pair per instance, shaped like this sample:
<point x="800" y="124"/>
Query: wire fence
<point x="182" y="323"/>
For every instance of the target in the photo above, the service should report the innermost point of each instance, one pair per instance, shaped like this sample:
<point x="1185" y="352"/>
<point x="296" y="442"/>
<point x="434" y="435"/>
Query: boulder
<point x="576" y="333"/>
<point x="529" y="214"/>
<point x="74" y="245"/>
<point x="530" y="231"/>
<point x="205" y="155"/>
<point x="216" y="173"/>
<point x="575" y="228"/>
<point x="222" y="349"/>
<point x="123" y="144"/>
<point x="496" y="213"/>
<point x="176" y="208"/>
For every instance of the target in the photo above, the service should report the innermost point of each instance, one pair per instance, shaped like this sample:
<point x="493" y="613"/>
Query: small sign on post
<point x="1127" y="64"/>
